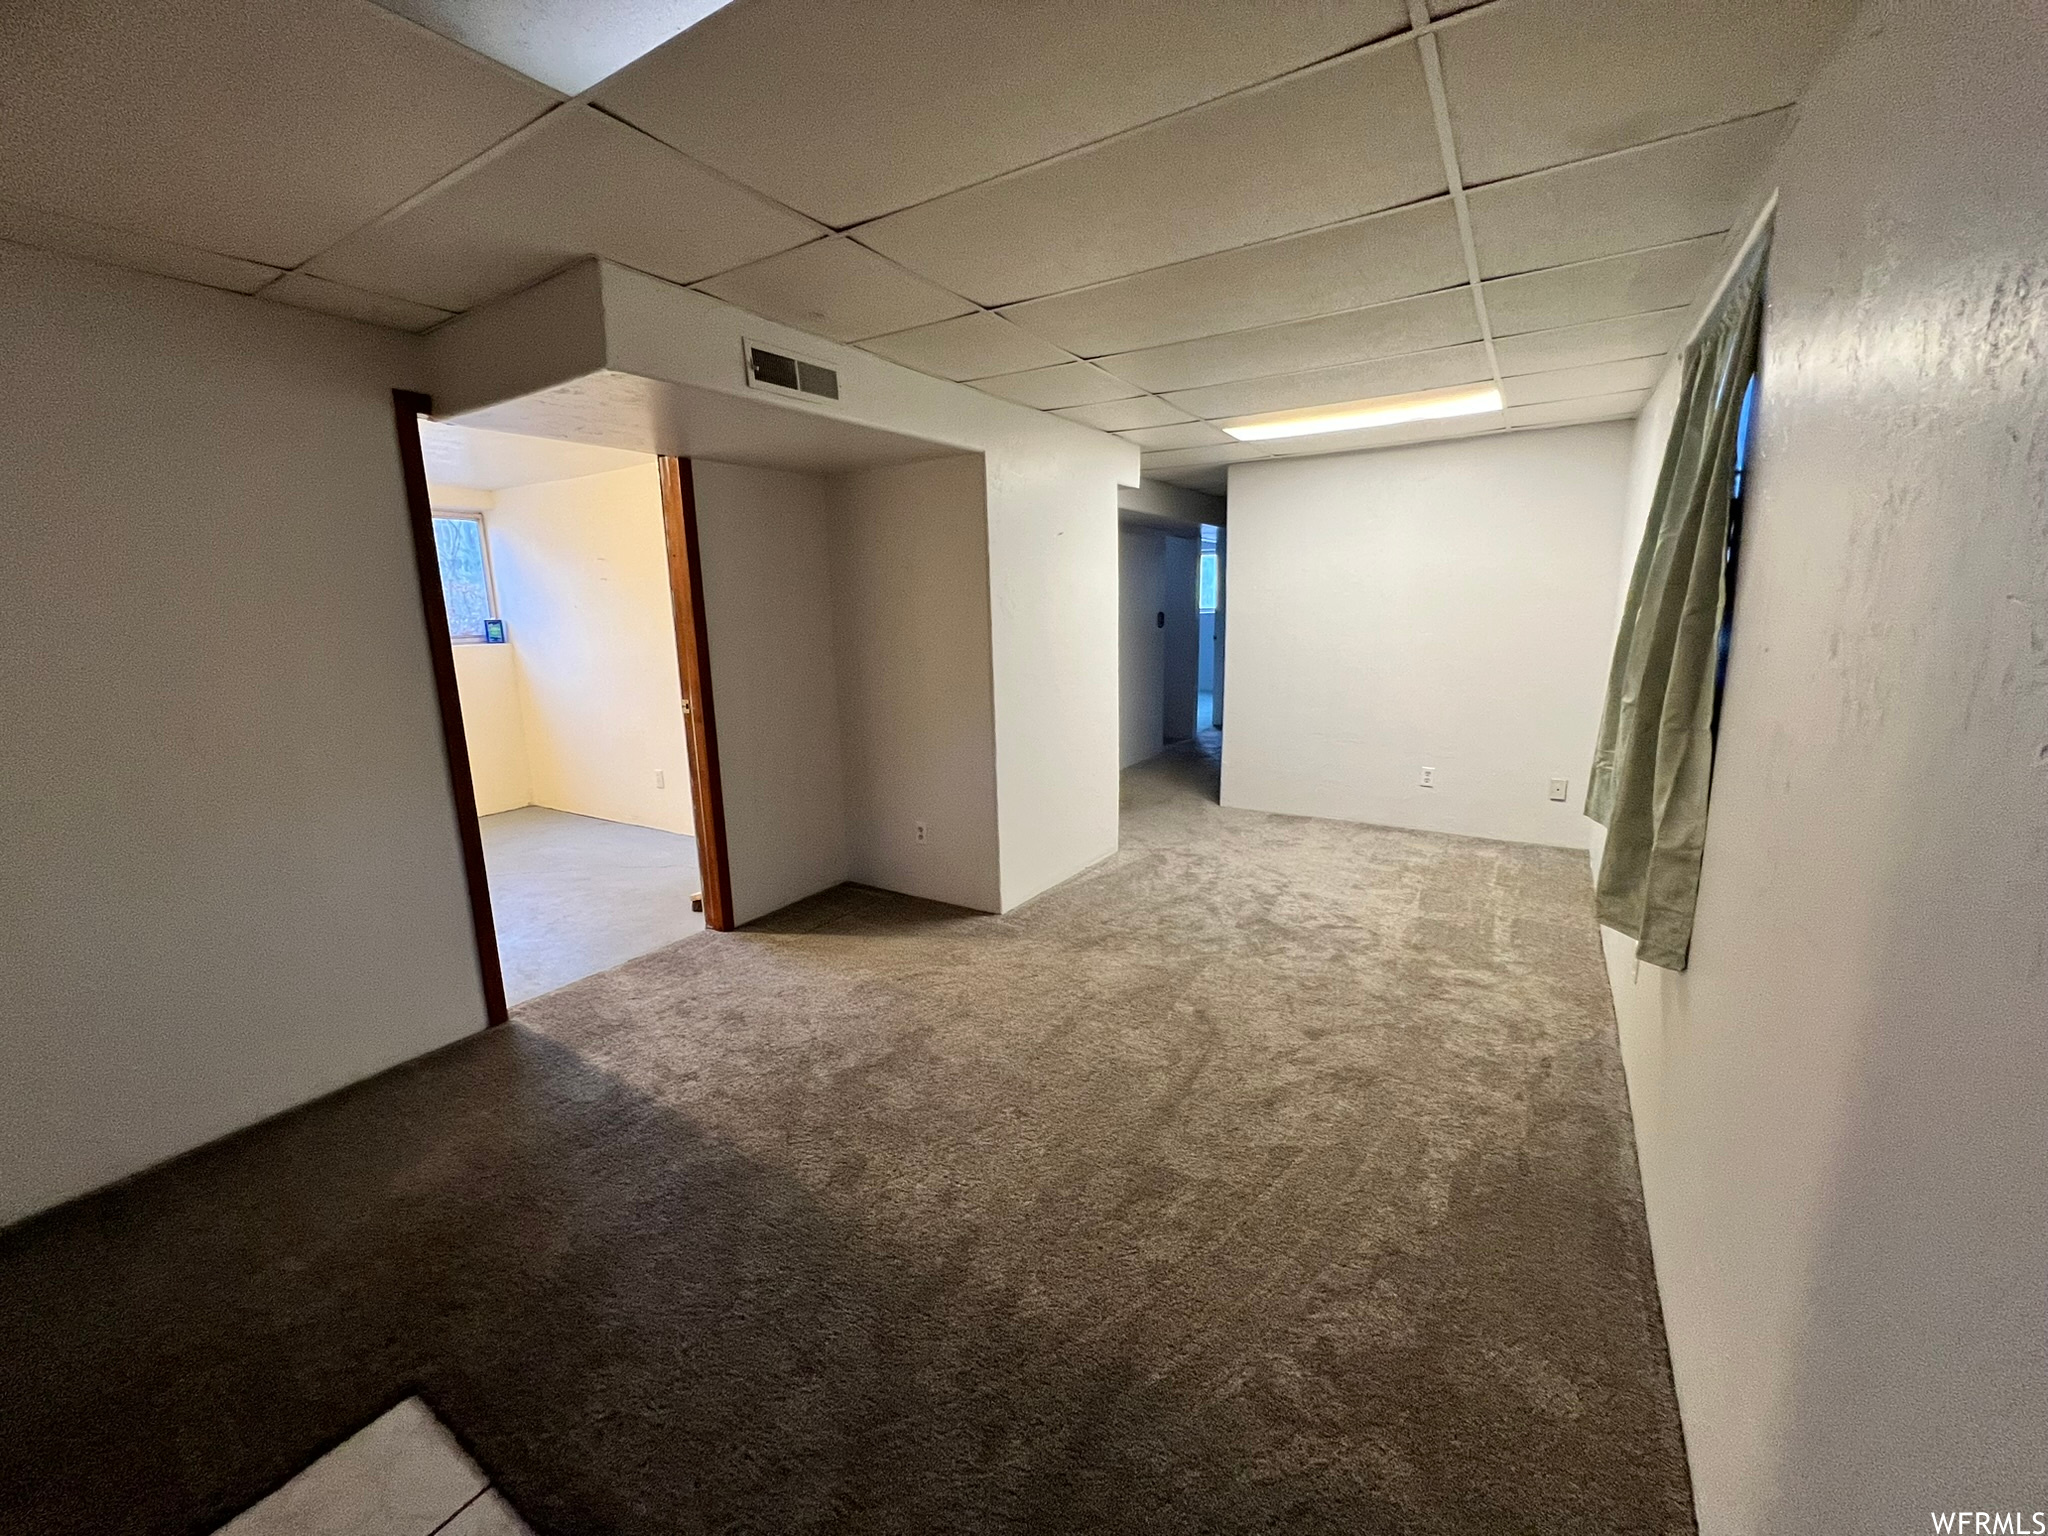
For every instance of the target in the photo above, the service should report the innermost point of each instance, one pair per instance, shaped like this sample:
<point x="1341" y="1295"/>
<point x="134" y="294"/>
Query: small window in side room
<point x="465" y="575"/>
<point x="1207" y="600"/>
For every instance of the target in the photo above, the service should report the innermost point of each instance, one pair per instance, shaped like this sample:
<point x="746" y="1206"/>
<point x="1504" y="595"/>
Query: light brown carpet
<point x="1274" y="1176"/>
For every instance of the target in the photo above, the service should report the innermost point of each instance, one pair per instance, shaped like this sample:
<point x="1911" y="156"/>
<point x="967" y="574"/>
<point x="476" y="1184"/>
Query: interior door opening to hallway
<point x="1170" y="636"/>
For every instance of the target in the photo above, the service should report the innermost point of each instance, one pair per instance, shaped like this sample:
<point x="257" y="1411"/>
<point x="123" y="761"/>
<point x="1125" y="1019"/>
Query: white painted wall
<point x="1645" y="460"/>
<point x="764" y="544"/>
<point x="494" y="727"/>
<point x="233" y="881"/>
<point x="1840" y="1106"/>
<point x="1181" y="568"/>
<point x="1449" y="605"/>
<point x="1051" y="488"/>
<point x="1141" y="643"/>
<point x="1053" y="617"/>
<point x="909" y="549"/>
<point x="582" y="574"/>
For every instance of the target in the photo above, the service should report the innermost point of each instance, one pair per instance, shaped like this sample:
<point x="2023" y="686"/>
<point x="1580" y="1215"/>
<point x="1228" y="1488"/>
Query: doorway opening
<point x="822" y="564"/>
<point x="556" y="566"/>
<point x="1170" y="640"/>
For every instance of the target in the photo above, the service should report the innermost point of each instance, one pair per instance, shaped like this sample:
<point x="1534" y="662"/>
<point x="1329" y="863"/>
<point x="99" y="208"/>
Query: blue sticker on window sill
<point x="494" y="631"/>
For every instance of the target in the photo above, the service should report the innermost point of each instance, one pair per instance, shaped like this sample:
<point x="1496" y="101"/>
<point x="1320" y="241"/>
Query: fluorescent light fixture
<point x="1387" y="411"/>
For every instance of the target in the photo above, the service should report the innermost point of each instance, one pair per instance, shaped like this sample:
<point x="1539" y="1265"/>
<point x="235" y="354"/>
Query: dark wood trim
<point x="408" y="407"/>
<point x="693" y="661"/>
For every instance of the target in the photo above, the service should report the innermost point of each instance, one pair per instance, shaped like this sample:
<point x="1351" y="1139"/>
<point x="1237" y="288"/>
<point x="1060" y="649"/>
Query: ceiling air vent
<point x="786" y="375"/>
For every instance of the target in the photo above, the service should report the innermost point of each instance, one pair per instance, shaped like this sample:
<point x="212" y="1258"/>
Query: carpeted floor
<point x="1273" y="1176"/>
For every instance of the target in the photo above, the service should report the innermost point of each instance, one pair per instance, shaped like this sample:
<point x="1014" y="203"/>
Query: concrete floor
<point x="574" y="895"/>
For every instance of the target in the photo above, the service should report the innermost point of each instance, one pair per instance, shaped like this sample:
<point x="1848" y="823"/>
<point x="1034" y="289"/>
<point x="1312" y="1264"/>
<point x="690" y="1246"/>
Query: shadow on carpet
<point x="1274" y="1176"/>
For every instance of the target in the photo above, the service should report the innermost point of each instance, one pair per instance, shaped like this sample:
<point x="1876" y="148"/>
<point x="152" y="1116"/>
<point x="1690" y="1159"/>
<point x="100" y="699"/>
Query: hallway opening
<point x="1171" y="586"/>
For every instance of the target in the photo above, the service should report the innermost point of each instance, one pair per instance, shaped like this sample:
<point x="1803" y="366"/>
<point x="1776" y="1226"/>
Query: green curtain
<point x="1655" y="756"/>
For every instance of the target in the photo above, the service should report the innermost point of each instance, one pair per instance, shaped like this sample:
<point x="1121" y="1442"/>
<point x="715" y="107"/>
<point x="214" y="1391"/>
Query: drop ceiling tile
<point x="1329" y="386"/>
<point x="569" y="44"/>
<point x="1265" y="163"/>
<point x="1695" y="184"/>
<point x="1665" y="277"/>
<point x="580" y="184"/>
<point x="1542" y="82"/>
<point x="849" y="109"/>
<point x="1637" y="373"/>
<point x="262" y="129"/>
<point x="1347" y="266"/>
<point x="302" y="290"/>
<point x="1192" y="434"/>
<point x="1600" y="341"/>
<point x="835" y="289"/>
<point x="1556" y="413"/>
<point x="1439" y="319"/>
<point x="119" y="248"/>
<point x="975" y="346"/>
<point x="1050" y="388"/>
<point x="1202" y="458"/>
<point x="1122" y="415"/>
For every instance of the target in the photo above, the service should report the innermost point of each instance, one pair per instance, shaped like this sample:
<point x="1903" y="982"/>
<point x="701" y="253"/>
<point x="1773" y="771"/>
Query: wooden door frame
<point x="693" y="666"/>
<point x="700" y="729"/>
<point x="408" y="407"/>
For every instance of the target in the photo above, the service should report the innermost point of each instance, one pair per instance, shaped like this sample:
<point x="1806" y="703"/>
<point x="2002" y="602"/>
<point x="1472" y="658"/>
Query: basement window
<point x="1732" y="554"/>
<point x="1207" y="599"/>
<point x="466" y="585"/>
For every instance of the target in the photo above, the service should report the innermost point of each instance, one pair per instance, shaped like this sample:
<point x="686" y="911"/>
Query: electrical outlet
<point x="1559" y="788"/>
<point x="660" y="779"/>
<point x="920" y="831"/>
<point x="1429" y="778"/>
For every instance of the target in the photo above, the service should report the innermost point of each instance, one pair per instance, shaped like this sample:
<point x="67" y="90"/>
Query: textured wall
<point x="582" y="573"/>
<point x="1842" y="1106"/>
<point x="916" y="712"/>
<point x="232" y="877"/>
<point x="487" y="677"/>
<point x="1449" y="605"/>
<point x="764" y="543"/>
